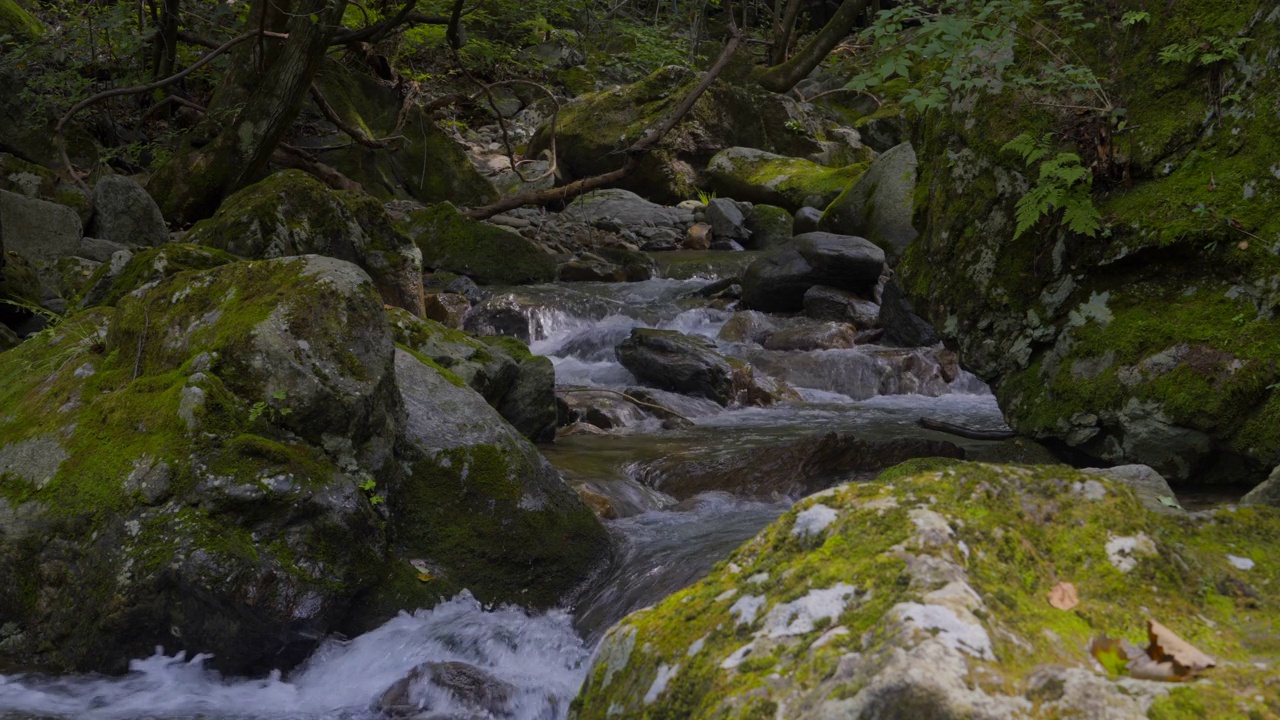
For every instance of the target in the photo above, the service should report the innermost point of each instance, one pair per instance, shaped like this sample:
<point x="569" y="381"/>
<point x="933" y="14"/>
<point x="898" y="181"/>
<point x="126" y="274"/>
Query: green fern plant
<point x="1063" y="187"/>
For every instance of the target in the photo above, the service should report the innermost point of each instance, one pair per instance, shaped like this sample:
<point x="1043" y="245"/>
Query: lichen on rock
<point x="923" y="594"/>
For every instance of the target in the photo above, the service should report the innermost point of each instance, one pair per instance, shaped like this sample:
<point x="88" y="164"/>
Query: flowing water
<point x="538" y="660"/>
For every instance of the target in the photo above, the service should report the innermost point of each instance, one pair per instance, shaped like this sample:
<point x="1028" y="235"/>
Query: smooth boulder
<point x="825" y="303"/>
<point x="689" y="364"/>
<point x="38" y="230"/>
<point x="778" y="282"/>
<point x="124" y="212"/>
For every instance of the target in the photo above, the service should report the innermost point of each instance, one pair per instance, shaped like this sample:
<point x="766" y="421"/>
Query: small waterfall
<point x="538" y="659"/>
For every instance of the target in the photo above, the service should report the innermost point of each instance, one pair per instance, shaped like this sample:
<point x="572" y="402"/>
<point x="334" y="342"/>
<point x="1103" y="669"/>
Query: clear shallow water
<point x="663" y="545"/>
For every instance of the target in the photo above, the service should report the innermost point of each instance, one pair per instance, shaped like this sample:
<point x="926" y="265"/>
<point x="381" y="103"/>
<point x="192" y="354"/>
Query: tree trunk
<point x="165" y="53"/>
<point x="785" y="76"/>
<point x="782" y="28"/>
<point x="192" y="183"/>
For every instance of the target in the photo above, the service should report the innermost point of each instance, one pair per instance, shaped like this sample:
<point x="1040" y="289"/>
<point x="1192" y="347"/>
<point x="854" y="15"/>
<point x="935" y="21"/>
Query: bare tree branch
<point x="60" y="140"/>
<point x="635" y="153"/>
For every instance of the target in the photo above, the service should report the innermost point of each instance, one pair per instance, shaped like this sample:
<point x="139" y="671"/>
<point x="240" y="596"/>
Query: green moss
<point x="509" y="345"/>
<point x="16" y="21"/>
<point x="488" y="254"/>
<point x="462" y="507"/>
<point x="156" y="264"/>
<point x="789" y="182"/>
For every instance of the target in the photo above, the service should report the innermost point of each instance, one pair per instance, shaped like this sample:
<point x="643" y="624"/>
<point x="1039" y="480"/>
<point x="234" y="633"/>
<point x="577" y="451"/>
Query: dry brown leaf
<point x="1166" y="646"/>
<point x="1064" y="596"/>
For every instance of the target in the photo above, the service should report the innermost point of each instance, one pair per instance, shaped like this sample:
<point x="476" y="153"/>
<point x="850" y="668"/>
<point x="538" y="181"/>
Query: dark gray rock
<point x="727" y="220"/>
<point x="806" y="220"/>
<point x="786" y="470"/>
<point x="38" y="230"/>
<point x="477" y="690"/>
<point x="99" y="250"/>
<point x="813" y="336"/>
<point x="124" y="212"/>
<point x="826" y="303"/>
<point x="674" y="361"/>
<point x="779" y="281"/>
<point x="902" y="326"/>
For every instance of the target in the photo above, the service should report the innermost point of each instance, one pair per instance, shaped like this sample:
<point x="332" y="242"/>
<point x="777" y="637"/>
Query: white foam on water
<point x="539" y="654"/>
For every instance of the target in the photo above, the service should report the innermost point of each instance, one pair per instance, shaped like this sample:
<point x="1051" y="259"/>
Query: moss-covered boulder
<point x="17" y="22"/>
<point x="517" y="383"/>
<point x="762" y="177"/>
<point x="592" y="130"/>
<point x="1157" y="342"/>
<point x="164" y="479"/>
<point x="423" y="164"/>
<point x="239" y="461"/>
<point x="37" y="181"/>
<point x="925" y="594"/>
<point x="109" y="284"/>
<point x="480" y="501"/>
<point x="292" y="213"/>
<point x="488" y="254"/>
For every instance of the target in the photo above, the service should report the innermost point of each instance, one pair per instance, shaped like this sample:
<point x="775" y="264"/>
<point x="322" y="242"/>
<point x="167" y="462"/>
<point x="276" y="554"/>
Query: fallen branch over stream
<point x="964" y="432"/>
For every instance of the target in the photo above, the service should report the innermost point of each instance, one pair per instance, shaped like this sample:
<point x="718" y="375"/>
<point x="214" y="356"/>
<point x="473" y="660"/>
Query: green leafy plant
<point x="1063" y="187"/>
<point x="271" y="411"/>
<point x="1204" y="51"/>
<point x="1135" y="17"/>
<point x="704" y="198"/>
<point x="369" y="486"/>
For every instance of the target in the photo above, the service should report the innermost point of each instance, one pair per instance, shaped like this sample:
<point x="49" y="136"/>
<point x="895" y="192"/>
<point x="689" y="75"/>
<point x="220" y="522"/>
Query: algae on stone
<point x="761" y="177"/>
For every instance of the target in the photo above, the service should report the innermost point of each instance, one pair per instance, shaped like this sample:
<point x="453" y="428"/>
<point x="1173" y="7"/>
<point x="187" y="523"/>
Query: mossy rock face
<point x="593" y="129"/>
<point x="792" y="183"/>
<point x="155" y="264"/>
<point x="924" y="594"/>
<point x="1157" y="342"/>
<point x="511" y="379"/>
<point x="166" y="476"/>
<point x="18" y="22"/>
<point x="424" y="165"/>
<point x="480" y="502"/>
<point x="488" y="254"/>
<point x="292" y="213"/>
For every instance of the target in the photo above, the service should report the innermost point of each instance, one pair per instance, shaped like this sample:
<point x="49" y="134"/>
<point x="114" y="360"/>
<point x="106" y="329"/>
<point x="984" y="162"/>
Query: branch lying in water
<point x="964" y="432"/>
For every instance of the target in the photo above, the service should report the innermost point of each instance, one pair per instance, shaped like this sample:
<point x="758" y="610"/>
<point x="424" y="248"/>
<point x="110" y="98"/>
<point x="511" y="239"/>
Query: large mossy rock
<point x="924" y="595"/>
<point x="1157" y="342"/>
<point x="425" y="164"/>
<point x="481" y="502"/>
<point x="488" y="254"/>
<point x="162" y="470"/>
<point x="762" y="177"/>
<point x="38" y="230"/>
<point x="152" y="265"/>
<point x="518" y="384"/>
<point x="593" y="130"/>
<point x="239" y="461"/>
<point x="292" y="213"/>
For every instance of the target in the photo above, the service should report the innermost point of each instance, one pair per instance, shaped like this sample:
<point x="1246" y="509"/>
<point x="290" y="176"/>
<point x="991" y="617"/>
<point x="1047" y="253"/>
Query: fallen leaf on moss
<point x="1167" y="658"/>
<point x="1166" y="646"/>
<point x="1064" y="596"/>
